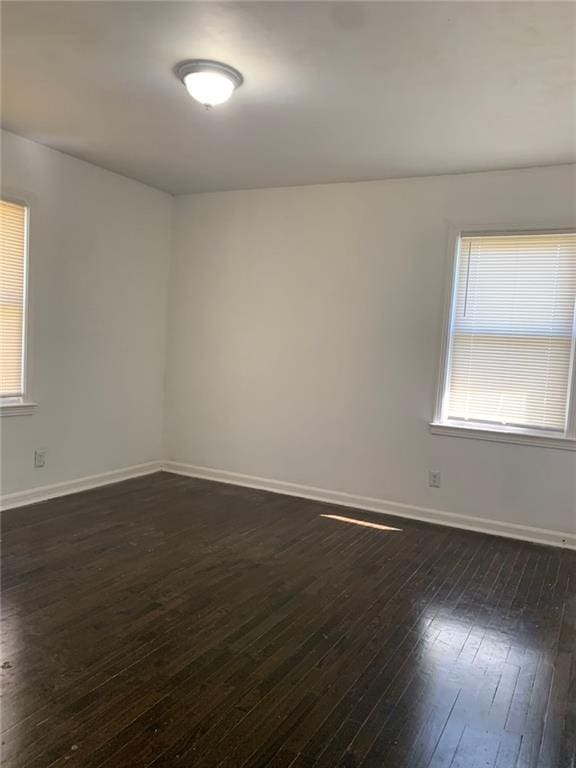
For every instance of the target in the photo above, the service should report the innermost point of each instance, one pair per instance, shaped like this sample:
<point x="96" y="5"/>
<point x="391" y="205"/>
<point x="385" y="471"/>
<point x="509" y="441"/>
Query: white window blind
<point x="511" y="342"/>
<point x="12" y="297"/>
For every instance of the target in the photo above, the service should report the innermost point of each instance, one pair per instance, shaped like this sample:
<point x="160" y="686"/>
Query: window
<point x="510" y="343"/>
<point x="13" y="246"/>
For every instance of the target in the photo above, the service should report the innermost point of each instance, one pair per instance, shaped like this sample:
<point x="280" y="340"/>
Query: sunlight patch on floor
<point x="365" y="523"/>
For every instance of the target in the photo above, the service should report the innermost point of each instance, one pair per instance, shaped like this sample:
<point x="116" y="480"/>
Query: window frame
<point x="479" y="430"/>
<point x="22" y="405"/>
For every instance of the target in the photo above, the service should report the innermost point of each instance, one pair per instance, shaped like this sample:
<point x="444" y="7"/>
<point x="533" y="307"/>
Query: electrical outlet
<point x="434" y="478"/>
<point x="40" y="458"/>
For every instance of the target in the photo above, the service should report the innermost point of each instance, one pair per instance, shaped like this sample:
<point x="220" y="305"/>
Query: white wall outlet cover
<point x="40" y="457"/>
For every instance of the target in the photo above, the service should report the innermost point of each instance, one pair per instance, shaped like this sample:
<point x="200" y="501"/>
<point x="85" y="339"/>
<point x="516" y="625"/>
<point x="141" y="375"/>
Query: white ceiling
<point x="334" y="91"/>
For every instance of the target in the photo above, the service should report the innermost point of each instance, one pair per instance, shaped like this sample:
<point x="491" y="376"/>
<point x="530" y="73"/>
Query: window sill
<point x="17" y="408"/>
<point x="476" y="432"/>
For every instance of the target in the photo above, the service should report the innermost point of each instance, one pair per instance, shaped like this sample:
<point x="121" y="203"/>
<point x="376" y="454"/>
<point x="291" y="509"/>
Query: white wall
<point x="99" y="247"/>
<point x="304" y="341"/>
<point x="303" y="337"/>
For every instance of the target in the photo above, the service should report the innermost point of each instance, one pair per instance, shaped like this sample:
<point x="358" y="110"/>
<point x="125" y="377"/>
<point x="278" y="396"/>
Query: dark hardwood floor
<point x="167" y="622"/>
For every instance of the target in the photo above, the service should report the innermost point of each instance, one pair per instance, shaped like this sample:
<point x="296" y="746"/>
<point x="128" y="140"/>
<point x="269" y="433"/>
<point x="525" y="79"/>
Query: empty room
<point x="288" y="384"/>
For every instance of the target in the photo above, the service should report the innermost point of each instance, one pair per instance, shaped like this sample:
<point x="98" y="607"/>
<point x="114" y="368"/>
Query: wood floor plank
<point x="170" y="622"/>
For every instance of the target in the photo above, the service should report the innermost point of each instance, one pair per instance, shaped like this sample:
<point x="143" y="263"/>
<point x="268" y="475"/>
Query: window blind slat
<point x="12" y="271"/>
<point x="512" y="330"/>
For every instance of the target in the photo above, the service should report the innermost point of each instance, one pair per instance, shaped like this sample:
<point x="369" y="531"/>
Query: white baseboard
<point x="424" y="514"/>
<point x="44" y="492"/>
<point x="397" y="509"/>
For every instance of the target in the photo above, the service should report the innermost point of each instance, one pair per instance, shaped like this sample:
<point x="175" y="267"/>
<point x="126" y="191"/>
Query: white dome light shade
<point x="209" y="82"/>
<point x="209" y="88"/>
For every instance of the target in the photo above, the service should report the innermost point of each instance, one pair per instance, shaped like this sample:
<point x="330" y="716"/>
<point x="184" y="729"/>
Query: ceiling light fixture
<point x="209" y="82"/>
